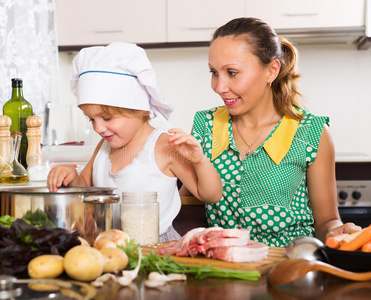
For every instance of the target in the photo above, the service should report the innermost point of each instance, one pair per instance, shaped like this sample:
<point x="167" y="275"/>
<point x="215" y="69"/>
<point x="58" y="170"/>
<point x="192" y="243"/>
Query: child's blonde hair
<point x="125" y="112"/>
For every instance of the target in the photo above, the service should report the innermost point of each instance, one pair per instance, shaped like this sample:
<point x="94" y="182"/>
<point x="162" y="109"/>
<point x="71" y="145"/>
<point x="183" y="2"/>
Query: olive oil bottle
<point x="18" y="109"/>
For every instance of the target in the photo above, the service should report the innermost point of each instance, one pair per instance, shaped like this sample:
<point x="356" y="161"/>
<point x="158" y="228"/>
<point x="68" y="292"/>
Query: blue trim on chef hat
<point x="116" y="73"/>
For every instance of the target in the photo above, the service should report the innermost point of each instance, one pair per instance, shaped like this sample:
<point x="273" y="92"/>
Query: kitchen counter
<point x="315" y="285"/>
<point x="21" y="185"/>
<point x="352" y="157"/>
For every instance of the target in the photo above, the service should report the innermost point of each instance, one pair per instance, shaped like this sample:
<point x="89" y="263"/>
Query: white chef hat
<point x="119" y="75"/>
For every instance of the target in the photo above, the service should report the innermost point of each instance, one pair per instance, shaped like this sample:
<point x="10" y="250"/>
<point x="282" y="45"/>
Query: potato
<point x="84" y="263"/>
<point x="116" y="260"/>
<point x="45" y="266"/>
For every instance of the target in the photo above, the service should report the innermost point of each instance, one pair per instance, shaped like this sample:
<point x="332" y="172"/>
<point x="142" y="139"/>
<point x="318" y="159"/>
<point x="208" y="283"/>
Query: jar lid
<point x="100" y="199"/>
<point x="135" y="196"/>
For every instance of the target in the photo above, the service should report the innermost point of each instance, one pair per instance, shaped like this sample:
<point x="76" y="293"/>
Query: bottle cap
<point x="17" y="83"/>
<point x="16" y="133"/>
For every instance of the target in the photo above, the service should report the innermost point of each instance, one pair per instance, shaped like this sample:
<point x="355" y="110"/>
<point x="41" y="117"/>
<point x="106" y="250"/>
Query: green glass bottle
<point x="19" y="109"/>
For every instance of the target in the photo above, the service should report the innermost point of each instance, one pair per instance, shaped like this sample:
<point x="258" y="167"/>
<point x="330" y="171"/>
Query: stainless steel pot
<point x="88" y="210"/>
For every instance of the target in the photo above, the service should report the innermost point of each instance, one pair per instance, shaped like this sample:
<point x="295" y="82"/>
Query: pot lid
<point x="65" y="190"/>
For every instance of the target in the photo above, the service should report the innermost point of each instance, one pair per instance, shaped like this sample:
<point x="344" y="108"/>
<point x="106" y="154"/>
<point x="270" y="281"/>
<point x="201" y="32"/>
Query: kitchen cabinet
<point x="290" y="14"/>
<point x="195" y="20"/>
<point x="168" y="23"/>
<point x="94" y="22"/>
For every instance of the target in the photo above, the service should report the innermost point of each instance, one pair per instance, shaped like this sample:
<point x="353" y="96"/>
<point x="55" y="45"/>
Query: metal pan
<point x="88" y="210"/>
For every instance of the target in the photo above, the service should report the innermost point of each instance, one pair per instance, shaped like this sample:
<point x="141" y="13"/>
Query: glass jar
<point x="140" y="217"/>
<point x="38" y="167"/>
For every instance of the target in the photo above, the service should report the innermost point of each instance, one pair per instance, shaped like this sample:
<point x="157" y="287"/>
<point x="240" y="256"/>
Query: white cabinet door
<point x="196" y="20"/>
<point x="98" y="22"/>
<point x="289" y="14"/>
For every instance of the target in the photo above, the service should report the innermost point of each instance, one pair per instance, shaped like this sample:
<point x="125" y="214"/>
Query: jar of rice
<point x="140" y="217"/>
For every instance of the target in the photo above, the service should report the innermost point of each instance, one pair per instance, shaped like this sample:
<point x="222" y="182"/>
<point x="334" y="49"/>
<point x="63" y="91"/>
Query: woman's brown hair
<point x="264" y="43"/>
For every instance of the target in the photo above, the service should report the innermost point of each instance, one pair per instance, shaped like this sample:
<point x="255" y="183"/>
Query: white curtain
<point x="28" y="50"/>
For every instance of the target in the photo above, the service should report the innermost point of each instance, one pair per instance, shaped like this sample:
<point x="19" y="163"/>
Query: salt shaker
<point x="5" y="123"/>
<point x="140" y="217"/>
<point x="33" y="136"/>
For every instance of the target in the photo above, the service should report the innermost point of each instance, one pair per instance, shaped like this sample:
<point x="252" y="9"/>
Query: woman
<point x="276" y="160"/>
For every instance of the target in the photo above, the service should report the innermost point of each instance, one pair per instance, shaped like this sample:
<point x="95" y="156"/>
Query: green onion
<point x="166" y="264"/>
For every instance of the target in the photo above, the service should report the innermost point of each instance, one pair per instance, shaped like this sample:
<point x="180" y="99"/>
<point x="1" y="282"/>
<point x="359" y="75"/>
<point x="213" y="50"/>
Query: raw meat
<point x="232" y="245"/>
<point x="252" y="252"/>
<point x="180" y="248"/>
<point x="217" y="237"/>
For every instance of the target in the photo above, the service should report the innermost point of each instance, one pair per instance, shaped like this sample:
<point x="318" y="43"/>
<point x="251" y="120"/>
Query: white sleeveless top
<point x="142" y="175"/>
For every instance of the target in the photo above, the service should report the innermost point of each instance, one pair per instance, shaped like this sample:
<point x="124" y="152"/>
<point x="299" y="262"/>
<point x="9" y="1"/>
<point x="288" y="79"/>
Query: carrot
<point x="356" y="243"/>
<point x="350" y="236"/>
<point x="366" y="247"/>
<point x="334" y="241"/>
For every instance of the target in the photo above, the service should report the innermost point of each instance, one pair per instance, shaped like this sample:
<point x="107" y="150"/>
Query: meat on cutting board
<point x="254" y="251"/>
<point x="231" y="245"/>
<point x="180" y="248"/>
<point x="217" y="237"/>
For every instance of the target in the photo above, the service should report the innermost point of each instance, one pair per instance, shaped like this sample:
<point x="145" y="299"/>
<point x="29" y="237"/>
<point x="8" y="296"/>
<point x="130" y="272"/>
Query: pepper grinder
<point x="33" y="136"/>
<point x="5" y="123"/>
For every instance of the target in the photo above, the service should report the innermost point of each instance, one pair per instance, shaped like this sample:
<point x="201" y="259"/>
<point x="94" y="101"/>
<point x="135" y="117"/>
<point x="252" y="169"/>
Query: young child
<point x="116" y="88"/>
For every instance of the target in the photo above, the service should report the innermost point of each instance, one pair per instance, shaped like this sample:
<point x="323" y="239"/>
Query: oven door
<point x="353" y="181"/>
<point x="358" y="215"/>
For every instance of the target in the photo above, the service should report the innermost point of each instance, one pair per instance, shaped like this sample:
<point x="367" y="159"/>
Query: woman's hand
<point x="345" y="228"/>
<point x="61" y="175"/>
<point x="187" y="146"/>
<point x="194" y="169"/>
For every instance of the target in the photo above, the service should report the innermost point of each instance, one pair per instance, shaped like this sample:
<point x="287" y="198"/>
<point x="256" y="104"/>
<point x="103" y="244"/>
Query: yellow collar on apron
<point x="276" y="146"/>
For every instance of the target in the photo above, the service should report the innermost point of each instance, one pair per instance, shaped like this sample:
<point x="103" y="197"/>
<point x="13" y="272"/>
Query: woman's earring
<point x="270" y="84"/>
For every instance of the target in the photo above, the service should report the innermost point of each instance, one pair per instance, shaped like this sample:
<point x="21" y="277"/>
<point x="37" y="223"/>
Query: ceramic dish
<point x="355" y="261"/>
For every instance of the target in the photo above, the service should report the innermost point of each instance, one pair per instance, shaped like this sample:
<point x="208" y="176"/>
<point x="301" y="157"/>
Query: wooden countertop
<point x="315" y="285"/>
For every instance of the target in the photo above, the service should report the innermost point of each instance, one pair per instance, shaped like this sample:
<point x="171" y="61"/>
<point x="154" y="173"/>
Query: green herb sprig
<point x="166" y="264"/>
<point x="6" y="220"/>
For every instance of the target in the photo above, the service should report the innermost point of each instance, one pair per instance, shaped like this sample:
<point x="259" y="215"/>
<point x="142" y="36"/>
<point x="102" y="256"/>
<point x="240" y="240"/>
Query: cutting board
<point x="275" y="255"/>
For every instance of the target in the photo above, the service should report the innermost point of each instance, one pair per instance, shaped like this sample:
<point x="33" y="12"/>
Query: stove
<point x="354" y="192"/>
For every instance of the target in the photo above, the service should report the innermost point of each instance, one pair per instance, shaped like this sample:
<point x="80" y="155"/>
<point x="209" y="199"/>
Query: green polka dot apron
<point x="267" y="191"/>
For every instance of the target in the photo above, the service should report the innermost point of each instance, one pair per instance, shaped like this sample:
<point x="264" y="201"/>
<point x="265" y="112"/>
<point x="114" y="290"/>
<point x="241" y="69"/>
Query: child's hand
<point x="60" y="175"/>
<point x="187" y="145"/>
